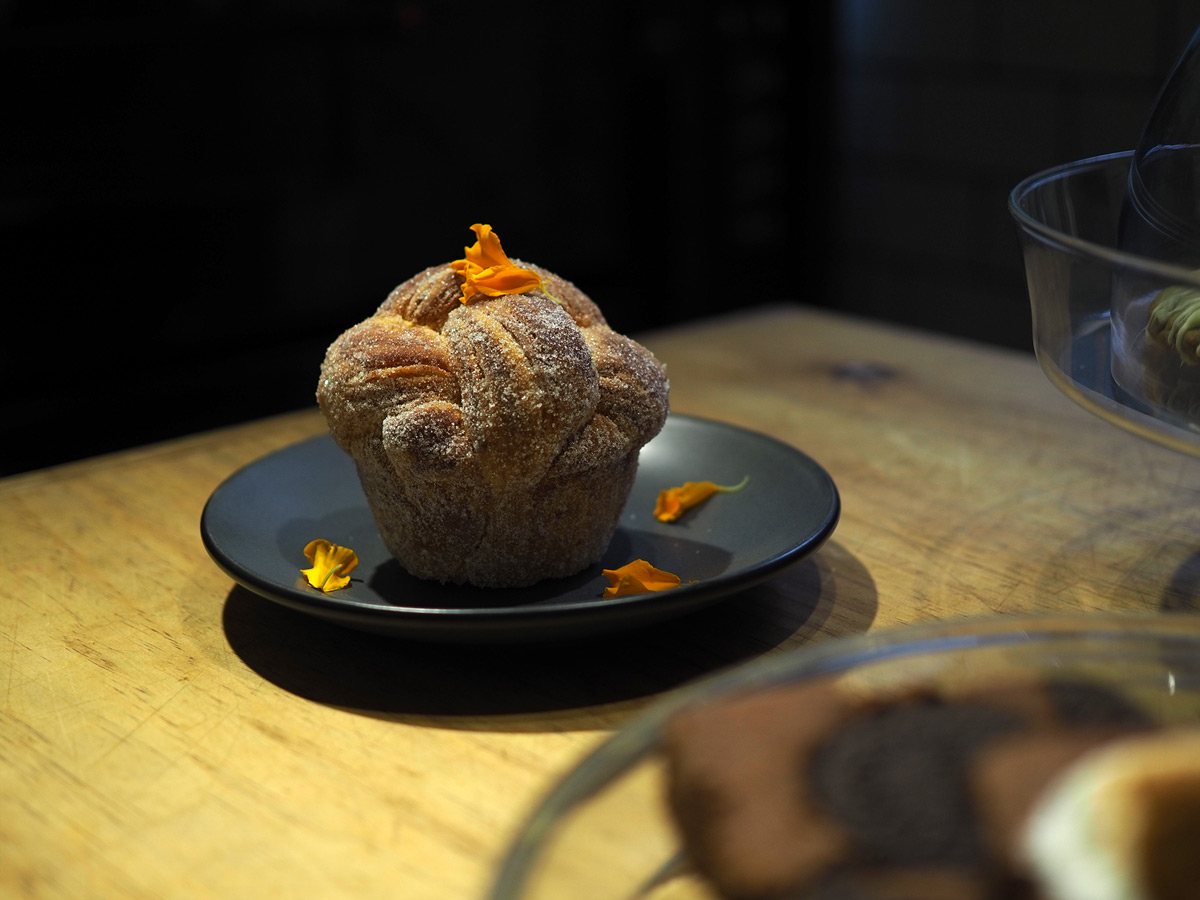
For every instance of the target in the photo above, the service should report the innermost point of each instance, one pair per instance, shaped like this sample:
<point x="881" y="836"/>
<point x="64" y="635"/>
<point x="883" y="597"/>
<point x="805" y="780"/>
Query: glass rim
<point x="1166" y="271"/>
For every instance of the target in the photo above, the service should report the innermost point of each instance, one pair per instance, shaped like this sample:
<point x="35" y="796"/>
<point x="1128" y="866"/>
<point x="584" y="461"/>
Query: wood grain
<point x="166" y="734"/>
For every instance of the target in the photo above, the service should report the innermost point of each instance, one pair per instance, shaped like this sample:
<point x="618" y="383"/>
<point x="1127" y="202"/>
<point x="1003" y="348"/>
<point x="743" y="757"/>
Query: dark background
<point x="196" y="197"/>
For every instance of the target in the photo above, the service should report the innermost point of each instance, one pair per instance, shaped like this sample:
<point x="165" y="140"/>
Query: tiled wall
<point x="943" y="106"/>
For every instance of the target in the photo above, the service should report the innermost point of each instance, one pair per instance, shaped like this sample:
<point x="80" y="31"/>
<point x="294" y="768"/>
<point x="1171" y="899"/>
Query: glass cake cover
<point x="1153" y="359"/>
<point x="1111" y="247"/>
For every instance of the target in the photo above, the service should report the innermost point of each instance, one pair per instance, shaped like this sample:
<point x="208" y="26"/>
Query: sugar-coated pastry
<point x="495" y="419"/>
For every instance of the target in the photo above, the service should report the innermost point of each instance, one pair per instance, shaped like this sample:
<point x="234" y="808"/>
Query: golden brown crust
<point x="496" y="441"/>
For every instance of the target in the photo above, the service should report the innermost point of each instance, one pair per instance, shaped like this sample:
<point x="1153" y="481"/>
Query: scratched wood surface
<point x="168" y="735"/>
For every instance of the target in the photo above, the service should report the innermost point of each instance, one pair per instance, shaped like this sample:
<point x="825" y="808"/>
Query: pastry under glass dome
<point x="1090" y="299"/>
<point x="1112" y="260"/>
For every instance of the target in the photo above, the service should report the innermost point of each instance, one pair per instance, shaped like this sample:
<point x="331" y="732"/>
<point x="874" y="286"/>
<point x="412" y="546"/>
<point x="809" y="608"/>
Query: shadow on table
<point x="1182" y="594"/>
<point x="513" y="687"/>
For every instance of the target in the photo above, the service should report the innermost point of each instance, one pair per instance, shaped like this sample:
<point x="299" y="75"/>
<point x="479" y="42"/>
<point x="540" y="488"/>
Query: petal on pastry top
<point x="486" y="251"/>
<point x="486" y="269"/>
<point x="500" y="280"/>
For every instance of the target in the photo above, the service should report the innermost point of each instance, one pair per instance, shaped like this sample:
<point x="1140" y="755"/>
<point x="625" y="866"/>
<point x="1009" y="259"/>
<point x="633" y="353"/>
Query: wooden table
<point x="166" y="734"/>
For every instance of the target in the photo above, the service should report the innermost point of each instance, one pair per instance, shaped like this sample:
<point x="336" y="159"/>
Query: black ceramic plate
<point x="257" y="522"/>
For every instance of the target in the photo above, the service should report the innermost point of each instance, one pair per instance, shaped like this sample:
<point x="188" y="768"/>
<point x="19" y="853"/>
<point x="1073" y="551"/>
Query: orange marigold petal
<point x="638" y="577"/>
<point x="487" y="251"/>
<point x="496" y="282"/>
<point x="667" y="507"/>
<point x="486" y="269"/>
<point x="674" y="502"/>
<point x="331" y="565"/>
